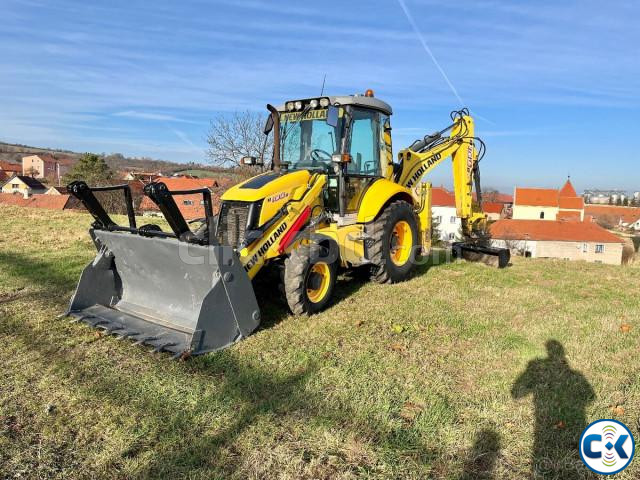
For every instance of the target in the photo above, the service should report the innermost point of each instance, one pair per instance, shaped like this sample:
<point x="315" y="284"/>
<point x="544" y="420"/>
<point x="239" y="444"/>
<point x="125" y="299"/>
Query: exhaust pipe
<point x="275" y="115"/>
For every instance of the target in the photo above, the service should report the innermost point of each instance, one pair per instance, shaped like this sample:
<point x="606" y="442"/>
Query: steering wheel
<point x="317" y="154"/>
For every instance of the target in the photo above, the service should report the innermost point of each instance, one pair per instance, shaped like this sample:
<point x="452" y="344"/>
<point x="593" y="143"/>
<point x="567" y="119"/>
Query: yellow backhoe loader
<point x="334" y="197"/>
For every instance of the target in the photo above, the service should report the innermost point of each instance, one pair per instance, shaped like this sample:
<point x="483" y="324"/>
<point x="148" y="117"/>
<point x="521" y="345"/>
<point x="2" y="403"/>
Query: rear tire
<point x="309" y="279"/>
<point x="394" y="243"/>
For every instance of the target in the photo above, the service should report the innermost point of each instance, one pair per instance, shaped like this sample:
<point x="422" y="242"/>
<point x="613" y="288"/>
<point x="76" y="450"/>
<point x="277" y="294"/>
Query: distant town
<point x="597" y="225"/>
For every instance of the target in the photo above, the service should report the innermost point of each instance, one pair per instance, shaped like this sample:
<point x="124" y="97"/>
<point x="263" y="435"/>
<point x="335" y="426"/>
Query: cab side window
<point x="365" y="143"/>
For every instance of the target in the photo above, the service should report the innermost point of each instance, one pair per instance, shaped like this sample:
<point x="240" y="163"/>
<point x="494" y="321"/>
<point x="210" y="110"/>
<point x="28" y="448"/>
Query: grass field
<point x="457" y="373"/>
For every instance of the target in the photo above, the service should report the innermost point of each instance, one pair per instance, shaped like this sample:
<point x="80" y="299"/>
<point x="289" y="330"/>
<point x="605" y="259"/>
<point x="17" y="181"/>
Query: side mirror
<point x="268" y="126"/>
<point x="332" y="116"/>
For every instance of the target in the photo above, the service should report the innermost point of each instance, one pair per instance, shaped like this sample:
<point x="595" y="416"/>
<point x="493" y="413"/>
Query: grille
<point x="233" y="223"/>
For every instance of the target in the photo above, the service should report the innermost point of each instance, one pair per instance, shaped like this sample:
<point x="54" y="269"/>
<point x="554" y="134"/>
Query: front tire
<point x="309" y="279"/>
<point x="394" y="243"/>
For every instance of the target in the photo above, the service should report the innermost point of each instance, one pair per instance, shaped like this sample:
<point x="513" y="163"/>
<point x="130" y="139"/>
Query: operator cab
<point x="347" y="137"/>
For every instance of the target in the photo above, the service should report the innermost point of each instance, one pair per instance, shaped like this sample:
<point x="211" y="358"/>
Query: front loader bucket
<point x="493" y="256"/>
<point x="172" y="295"/>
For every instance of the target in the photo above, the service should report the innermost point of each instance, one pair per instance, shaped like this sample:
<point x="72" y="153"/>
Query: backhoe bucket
<point x="492" y="256"/>
<point x="173" y="295"/>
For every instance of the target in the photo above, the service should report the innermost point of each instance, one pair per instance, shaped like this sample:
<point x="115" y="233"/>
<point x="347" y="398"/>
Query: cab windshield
<point x="307" y="141"/>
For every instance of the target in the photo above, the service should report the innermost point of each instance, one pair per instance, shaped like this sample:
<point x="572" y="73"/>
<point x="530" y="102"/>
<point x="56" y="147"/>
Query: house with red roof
<point x="191" y="206"/>
<point x="564" y="239"/>
<point x="615" y="216"/>
<point x="46" y="165"/>
<point x="444" y="213"/>
<point x="494" y="210"/>
<point x="548" y="203"/>
<point x="48" y="202"/>
<point x="8" y="170"/>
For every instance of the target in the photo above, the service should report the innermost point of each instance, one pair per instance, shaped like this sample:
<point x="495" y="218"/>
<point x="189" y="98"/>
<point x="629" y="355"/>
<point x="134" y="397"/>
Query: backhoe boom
<point x="424" y="155"/>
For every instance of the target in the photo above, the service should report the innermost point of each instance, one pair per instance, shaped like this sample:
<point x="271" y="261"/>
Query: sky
<point x="554" y="86"/>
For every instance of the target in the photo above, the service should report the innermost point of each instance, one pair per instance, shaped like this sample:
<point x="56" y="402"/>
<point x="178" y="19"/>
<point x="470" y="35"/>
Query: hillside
<point x="436" y="377"/>
<point x="14" y="153"/>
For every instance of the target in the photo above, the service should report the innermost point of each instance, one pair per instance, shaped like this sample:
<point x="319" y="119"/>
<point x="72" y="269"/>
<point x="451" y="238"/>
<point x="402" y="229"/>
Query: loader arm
<point x="424" y="155"/>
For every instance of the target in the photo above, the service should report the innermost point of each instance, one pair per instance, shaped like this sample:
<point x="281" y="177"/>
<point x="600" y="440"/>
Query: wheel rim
<point x="318" y="281"/>
<point x="401" y="242"/>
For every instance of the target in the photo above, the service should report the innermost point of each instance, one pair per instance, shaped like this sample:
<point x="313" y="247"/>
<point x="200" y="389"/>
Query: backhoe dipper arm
<point x="424" y="155"/>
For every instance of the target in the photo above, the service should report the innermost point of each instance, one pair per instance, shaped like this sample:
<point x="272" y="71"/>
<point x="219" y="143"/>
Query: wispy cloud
<point x="111" y="76"/>
<point x="149" y="116"/>
<point x="426" y="48"/>
<point x="186" y="140"/>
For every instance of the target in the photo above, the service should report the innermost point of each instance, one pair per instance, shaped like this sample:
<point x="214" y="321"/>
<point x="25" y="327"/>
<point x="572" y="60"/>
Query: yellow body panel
<point x="423" y="194"/>
<point x="258" y="253"/>
<point x="376" y="196"/>
<point x="350" y="242"/>
<point x="265" y="185"/>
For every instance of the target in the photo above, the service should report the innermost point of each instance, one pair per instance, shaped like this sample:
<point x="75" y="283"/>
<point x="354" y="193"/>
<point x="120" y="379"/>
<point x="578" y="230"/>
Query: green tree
<point x="625" y="202"/>
<point x="618" y="201"/>
<point x="436" y="241"/>
<point x="92" y="169"/>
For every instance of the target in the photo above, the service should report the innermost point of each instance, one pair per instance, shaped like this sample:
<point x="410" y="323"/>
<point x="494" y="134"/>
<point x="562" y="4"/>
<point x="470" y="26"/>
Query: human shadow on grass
<point x="560" y="395"/>
<point x="247" y="395"/>
<point x="480" y="460"/>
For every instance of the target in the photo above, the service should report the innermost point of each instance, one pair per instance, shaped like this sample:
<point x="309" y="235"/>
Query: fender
<point x="378" y="195"/>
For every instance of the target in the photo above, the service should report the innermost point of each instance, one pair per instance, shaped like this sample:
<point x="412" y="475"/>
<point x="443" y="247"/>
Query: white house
<point x="634" y="225"/>
<point x="548" y="204"/>
<point x="565" y="239"/>
<point x="443" y="211"/>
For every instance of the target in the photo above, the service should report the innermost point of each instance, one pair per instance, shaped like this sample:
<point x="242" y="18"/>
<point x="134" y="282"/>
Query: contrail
<point x="414" y="25"/>
<point x="429" y="52"/>
<point x="184" y="138"/>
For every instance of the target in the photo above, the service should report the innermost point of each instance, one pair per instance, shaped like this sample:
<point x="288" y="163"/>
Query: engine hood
<point x="271" y="186"/>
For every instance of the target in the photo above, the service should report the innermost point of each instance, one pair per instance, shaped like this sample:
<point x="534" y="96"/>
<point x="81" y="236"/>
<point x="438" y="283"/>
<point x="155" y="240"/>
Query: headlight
<point x="324" y="102"/>
<point x="290" y="106"/>
<point x="298" y="105"/>
<point x="314" y="103"/>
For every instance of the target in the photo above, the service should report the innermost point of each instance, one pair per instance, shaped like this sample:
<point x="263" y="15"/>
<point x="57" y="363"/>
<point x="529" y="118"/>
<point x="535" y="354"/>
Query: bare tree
<point x="32" y="172"/>
<point x="237" y="135"/>
<point x="607" y="221"/>
<point x="490" y="195"/>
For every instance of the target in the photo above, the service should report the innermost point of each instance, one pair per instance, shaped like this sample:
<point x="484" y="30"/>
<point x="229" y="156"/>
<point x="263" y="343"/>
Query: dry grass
<point x="415" y="380"/>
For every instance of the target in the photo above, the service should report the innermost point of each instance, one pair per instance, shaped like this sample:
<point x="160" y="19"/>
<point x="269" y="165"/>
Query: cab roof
<point x="357" y="100"/>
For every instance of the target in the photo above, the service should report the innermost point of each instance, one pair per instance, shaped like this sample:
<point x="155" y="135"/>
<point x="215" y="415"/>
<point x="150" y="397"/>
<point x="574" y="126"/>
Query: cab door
<point x="365" y="146"/>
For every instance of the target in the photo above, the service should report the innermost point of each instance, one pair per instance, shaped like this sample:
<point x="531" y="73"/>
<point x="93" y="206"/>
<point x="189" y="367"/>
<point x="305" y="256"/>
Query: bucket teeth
<point x="81" y="318"/>
<point x="162" y="346"/>
<point x="97" y="323"/>
<point x="113" y="328"/>
<point x="127" y="334"/>
<point x="122" y="326"/>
